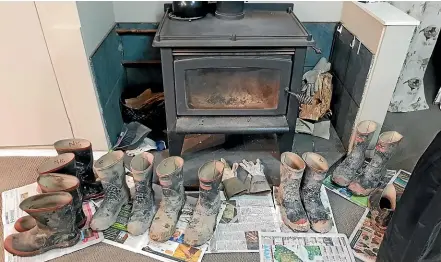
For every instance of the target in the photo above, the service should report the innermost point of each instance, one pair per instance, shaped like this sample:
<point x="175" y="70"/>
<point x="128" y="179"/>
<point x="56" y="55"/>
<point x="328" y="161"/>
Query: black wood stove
<point x="232" y="76"/>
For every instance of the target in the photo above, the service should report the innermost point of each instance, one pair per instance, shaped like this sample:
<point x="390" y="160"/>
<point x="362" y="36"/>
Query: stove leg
<point x="285" y="141"/>
<point x="175" y="143"/>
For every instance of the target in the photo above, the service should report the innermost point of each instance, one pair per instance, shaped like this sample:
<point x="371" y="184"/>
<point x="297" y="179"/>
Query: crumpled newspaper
<point x="310" y="84"/>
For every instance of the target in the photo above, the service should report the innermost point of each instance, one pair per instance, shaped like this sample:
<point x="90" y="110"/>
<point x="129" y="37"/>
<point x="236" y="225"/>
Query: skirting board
<point x="39" y="152"/>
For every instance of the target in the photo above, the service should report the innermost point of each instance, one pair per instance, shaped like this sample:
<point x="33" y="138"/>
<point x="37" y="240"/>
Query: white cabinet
<point x="386" y="32"/>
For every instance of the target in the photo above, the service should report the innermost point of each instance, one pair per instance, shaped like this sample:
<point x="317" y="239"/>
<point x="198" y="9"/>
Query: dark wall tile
<point x="341" y="52"/>
<point x="350" y="121"/>
<point x="358" y="69"/>
<point x="337" y="106"/>
<point x="322" y="34"/>
<point x="344" y="110"/>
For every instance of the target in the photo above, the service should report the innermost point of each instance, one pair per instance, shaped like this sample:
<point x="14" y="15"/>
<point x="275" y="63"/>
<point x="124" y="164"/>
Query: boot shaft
<point x="386" y="146"/>
<point x="210" y="176"/>
<point x="292" y="167"/>
<point x="64" y="164"/>
<point x="316" y="168"/>
<point x="141" y="167"/>
<point x="110" y="169"/>
<point x="52" y="211"/>
<point x="364" y="132"/>
<point x="54" y="182"/>
<point x="170" y="175"/>
<point x="82" y="149"/>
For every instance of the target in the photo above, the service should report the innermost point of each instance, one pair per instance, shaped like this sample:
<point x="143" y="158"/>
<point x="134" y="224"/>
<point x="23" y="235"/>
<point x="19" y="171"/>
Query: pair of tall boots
<point x="299" y="192"/>
<point x="54" y="217"/>
<point x="201" y="226"/>
<point x="345" y="174"/>
<point x="110" y="170"/>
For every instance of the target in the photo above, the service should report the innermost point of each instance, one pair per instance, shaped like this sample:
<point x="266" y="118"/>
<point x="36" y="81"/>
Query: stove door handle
<point x="301" y="98"/>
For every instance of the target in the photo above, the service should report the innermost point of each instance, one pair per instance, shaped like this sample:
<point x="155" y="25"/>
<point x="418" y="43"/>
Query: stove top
<point x="256" y="29"/>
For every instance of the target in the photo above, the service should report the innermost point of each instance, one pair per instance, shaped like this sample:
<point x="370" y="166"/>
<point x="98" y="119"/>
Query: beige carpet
<point x="20" y="171"/>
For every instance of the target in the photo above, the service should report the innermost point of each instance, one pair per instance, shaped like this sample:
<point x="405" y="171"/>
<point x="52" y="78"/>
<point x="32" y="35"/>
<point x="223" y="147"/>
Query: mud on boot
<point x="110" y="170"/>
<point x="371" y="175"/>
<point x="82" y="149"/>
<point x="293" y="214"/>
<point x="345" y="172"/>
<point x="55" y="225"/>
<point x="315" y="172"/>
<point x="170" y="176"/>
<point x="53" y="182"/>
<point x="202" y="223"/>
<point x="141" y="167"/>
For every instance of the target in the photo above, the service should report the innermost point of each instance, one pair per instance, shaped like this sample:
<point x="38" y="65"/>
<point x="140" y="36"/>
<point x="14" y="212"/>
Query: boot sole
<point x="68" y="243"/>
<point x="297" y="227"/>
<point x="323" y="226"/>
<point x="341" y="182"/>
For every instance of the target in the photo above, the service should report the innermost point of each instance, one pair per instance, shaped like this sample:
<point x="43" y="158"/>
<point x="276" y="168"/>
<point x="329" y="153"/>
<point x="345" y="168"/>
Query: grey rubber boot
<point x="315" y="172"/>
<point x="110" y="170"/>
<point x="141" y="167"/>
<point x="201" y="226"/>
<point x="53" y="182"/>
<point x="170" y="176"/>
<point x="293" y="214"/>
<point x="55" y="225"/>
<point x="371" y="175"/>
<point x="346" y="171"/>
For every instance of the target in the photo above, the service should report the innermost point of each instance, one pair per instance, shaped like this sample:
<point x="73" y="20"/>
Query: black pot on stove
<point x="189" y="9"/>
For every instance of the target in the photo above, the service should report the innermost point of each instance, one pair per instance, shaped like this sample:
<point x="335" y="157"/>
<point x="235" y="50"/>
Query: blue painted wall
<point x="323" y="34"/>
<point x="139" y="47"/>
<point x="110" y="79"/>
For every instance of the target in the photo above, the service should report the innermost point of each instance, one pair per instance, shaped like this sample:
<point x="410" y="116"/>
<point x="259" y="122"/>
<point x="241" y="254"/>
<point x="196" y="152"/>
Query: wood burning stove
<point x="232" y="76"/>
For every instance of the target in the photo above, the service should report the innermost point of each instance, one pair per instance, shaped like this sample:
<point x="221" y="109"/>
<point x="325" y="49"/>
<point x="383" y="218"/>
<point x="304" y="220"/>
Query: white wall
<point x="96" y="19"/>
<point x="133" y="11"/>
<point x="320" y="11"/>
<point x="307" y="11"/>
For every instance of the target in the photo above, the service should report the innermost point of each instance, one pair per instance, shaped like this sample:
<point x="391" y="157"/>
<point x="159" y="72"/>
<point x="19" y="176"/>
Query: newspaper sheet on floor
<point x="243" y="217"/>
<point x="326" y="204"/>
<point x="366" y="238"/>
<point x="172" y="250"/>
<point x="345" y="193"/>
<point x="11" y="212"/>
<point x="314" y="247"/>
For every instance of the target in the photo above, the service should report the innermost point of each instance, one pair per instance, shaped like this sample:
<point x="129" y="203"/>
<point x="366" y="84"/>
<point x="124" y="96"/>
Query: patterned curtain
<point x="409" y="91"/>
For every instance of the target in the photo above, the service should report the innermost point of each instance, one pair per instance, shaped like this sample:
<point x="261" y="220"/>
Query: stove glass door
<point x="232" y="85"/>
